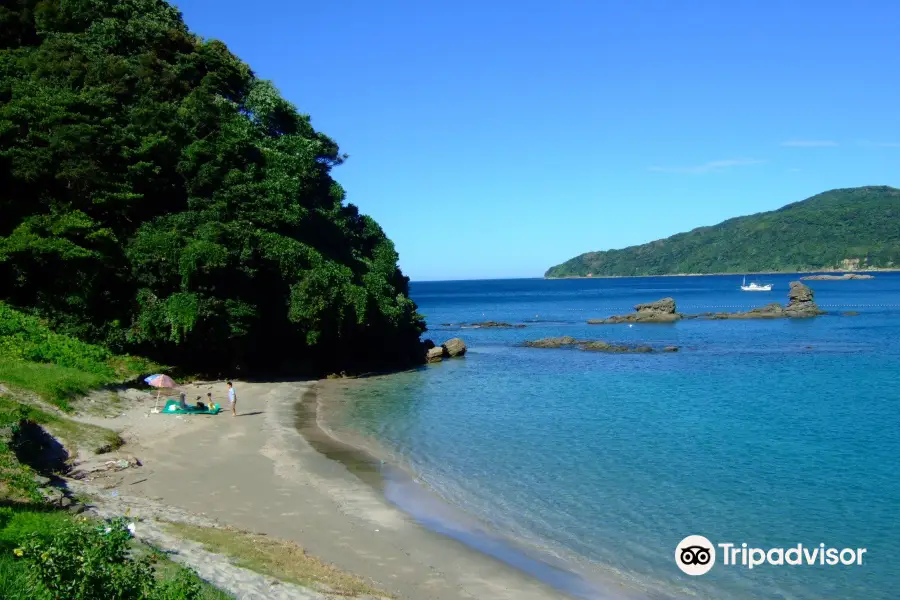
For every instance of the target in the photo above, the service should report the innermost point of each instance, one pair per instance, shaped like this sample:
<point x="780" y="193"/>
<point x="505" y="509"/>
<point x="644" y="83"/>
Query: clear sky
<point x="496" y="138"/>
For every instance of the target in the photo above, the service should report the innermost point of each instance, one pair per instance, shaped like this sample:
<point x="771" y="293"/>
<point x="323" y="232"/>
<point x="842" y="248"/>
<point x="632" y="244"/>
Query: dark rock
<point x="666" y="305"/>
<point x="428" y="345"/>
<point x="671" y="349"/>
<point x="434" y="354"/>
<point x="661" y="311"/>
<point x="454" y="347"/>
<point x="77" y="509"/>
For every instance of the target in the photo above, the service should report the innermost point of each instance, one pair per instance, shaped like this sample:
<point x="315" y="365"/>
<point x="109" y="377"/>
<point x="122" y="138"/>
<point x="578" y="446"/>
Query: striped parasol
<point x="160" y="381"/>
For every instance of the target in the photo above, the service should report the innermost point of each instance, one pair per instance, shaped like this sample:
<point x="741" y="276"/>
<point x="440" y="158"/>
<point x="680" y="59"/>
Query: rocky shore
<point x="844" y="277"/>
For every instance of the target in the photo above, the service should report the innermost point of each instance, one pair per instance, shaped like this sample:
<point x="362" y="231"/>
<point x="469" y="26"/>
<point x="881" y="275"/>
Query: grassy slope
<point x="817" y="233"/>
<point x="57" y="367"/>
<point x="41" y="372"/>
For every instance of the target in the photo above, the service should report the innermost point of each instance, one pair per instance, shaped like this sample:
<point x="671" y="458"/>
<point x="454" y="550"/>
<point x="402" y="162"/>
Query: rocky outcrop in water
<point x="435" y="354"/>
<point x="844" y="277"/>
<point x="800" y="305"/>
<point x="454" y="347"/>
<point x="800" y="302"/>
<point x="594" y="345"/>
<point x="661" y="311"/>
<point x="494" y="324"/>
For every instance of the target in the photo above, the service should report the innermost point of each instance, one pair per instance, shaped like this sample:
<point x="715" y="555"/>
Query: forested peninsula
<point x="157" y="198"/>
<point x="844" y="229"/>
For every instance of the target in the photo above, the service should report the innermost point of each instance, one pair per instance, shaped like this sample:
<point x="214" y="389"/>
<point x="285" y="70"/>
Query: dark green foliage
<point x="158" y="197"/>
<point x="817" y="233"/>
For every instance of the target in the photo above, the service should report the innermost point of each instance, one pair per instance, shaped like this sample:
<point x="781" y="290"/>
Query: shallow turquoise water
<point x="771" y="433"/>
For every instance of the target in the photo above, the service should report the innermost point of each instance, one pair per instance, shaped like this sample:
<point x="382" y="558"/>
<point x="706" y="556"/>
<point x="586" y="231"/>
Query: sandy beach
<point x="256" y="472"/>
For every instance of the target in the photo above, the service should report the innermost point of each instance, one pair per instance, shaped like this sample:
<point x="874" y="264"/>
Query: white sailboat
<point x="755" y="287"/>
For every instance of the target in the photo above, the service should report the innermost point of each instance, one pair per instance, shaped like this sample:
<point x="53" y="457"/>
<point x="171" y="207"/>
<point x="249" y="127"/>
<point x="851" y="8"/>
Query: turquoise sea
<point x="770" y="433"/>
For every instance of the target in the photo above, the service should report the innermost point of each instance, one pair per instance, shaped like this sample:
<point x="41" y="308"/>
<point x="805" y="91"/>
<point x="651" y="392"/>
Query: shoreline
<point x="258" y="473"/>
<point x="860" y="271"/>
<point x="402" y="489"/>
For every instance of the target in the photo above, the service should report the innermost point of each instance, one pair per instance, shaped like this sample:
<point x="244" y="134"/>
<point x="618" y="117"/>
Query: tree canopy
<point x="157" y="197"/>
<point x="831" y="230"/>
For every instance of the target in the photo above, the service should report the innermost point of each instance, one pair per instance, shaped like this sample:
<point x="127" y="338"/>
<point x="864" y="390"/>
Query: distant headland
<point x="845" y="230"/>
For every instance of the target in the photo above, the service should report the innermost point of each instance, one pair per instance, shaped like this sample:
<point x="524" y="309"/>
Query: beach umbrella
<point x="160" y="381"/>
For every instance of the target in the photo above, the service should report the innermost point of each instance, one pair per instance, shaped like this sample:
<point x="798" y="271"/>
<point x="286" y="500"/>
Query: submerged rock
<point x="592" y="345"/>
<point x="773" y="310"/>
<point x="661" y="311"/>
<point x="552" y="342"/>
<point x="495" y="324"/>
<point x="454" y="347"/>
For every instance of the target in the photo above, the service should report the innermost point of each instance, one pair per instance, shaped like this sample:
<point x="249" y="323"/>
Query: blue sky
<point x="497" y="138"/>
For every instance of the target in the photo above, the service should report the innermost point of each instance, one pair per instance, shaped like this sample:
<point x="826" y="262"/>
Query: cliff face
<point x="847" y="229"/>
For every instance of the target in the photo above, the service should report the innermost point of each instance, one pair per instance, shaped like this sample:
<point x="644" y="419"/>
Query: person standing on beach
<point x="232" y="399"/>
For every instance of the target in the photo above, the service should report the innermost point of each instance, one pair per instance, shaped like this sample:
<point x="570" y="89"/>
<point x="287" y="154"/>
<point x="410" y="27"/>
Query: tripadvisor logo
<point x="696" y="555"/>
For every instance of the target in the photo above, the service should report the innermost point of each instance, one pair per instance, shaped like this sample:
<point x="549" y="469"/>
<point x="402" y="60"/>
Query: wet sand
<point x="258" y="473"/>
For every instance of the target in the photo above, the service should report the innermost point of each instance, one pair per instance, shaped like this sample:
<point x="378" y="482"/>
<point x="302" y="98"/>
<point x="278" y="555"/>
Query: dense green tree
<point x="817" y="233"/>
<point x="155" y="195"/>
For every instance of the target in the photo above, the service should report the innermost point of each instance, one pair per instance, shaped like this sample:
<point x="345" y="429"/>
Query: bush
<point x="80" y="561"/>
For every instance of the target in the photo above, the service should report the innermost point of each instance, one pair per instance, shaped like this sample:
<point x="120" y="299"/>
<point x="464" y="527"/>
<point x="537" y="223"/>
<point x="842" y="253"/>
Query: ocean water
<point x="770" y="433"/>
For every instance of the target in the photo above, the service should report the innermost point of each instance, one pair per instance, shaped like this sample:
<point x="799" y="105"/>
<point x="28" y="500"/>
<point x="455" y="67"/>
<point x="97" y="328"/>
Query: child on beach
<point x="232" y="398"/>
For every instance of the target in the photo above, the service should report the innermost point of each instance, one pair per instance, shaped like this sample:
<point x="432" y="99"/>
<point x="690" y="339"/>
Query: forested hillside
<point x="846" y="228"/>
<point x="158" y="198"/>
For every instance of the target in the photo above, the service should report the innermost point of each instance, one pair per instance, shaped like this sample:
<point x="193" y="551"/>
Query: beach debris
<point x="661" y="311"/>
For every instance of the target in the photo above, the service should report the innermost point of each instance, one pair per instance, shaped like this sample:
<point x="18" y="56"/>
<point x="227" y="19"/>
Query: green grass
<point x="277" y="558"/>
<point x="58" y="367"/>
<point x="17" y="522"/>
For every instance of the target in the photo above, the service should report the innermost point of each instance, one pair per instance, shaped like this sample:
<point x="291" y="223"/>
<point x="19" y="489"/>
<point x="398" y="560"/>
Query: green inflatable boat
<point x="173" y="407"/>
